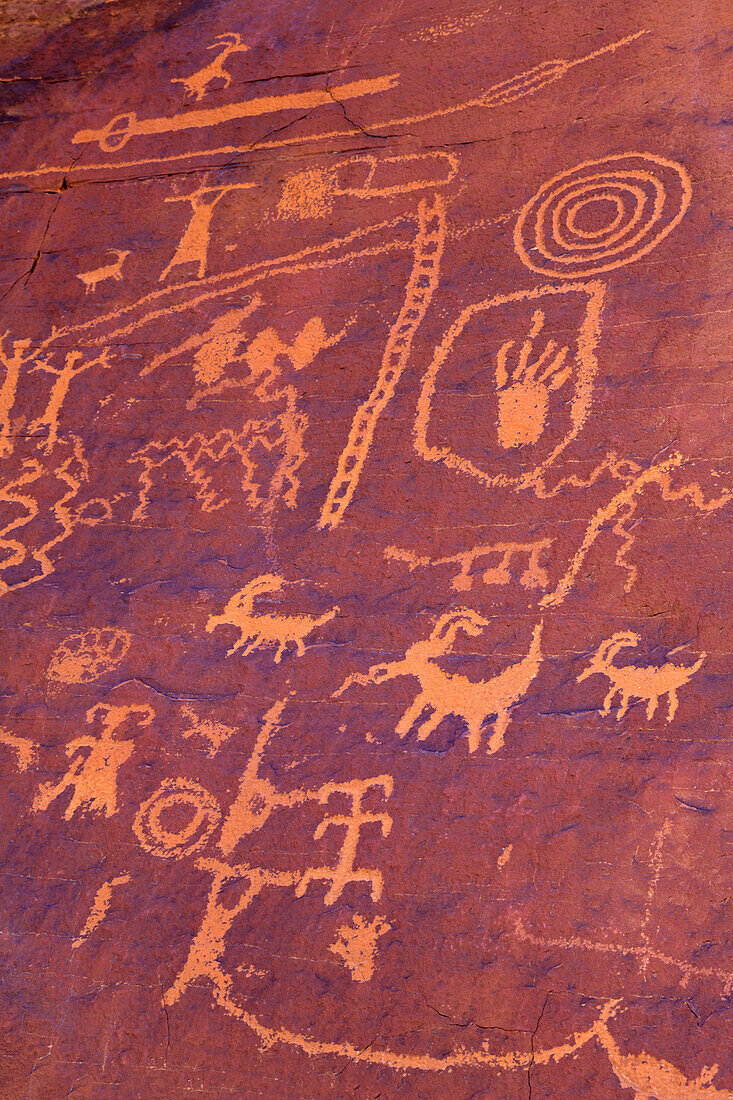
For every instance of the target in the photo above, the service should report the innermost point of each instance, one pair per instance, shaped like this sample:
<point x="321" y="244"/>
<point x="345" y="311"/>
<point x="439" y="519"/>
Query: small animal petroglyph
<point x="634" y="682"/>
<point x="446" y="693"/>
<point x="258" y="630"/>
<point x="197" y="84"/>
<point x="110" y="271"/>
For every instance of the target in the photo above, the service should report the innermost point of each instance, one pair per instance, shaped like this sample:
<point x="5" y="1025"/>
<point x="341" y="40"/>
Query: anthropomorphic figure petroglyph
<point x="446" y="693"/>
<point x="92" y="775"/>
<point x="197" y="84"/>
<point x="109" y="271"/>
<point x="633" y="682"/>
<point x="258" y="630"/>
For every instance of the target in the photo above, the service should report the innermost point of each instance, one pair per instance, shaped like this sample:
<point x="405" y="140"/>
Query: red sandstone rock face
<point x="364" y="553"/>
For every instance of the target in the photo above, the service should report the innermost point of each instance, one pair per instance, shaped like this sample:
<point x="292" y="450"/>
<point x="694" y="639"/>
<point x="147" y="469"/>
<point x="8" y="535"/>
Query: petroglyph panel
<point x="365" y="492"/>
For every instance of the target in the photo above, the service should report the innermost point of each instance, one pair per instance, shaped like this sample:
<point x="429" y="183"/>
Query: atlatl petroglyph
<point x="648" y="682"/>
<point x="119" y="130"/>
<point x="100" y="908"/>
<point x="91" y="279"/>
<point x="344" y="873"/>
<point x="445" y="694"/>
<point x="356" y="944"/>
<point x="82" y="658"/>
<point x="197" y="84"/>
<point x="259" y="629"/>
<point x="533" y="575"/>
<point x="92" y="775"/>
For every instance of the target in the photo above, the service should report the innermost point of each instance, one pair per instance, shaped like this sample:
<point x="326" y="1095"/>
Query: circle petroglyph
<point x="601" y="214"/>
<point x="177" y="820"/>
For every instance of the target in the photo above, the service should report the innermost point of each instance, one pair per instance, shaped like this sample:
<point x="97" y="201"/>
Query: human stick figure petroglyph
<point x="634" y="682"/>
<point x="119" y="130"/>
<point x="74" y="364"/>
<point x="91" y="279"/>
<point x="92" y="775"/>
<point x="257" y="629"/>
<point x="352" y="822"/>
<point x="446" y="694"/>
<point x="421" y="287"/>
<point x="534" y="575"/>
<point x="197" y="84"/>
<point x="193" y="247"/>
<point x="11" y="362"/>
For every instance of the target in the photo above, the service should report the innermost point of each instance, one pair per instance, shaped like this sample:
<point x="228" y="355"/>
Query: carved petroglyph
<point x="312" y="192"/>
<point x="24" y="750"/>
<point x="177" y="819"/>
<point x="74" y="364"/>
<point x="257" y="629"/>
<point x="532" y="576"/>
<point x="96" y="761"/>
<point x="344" y="873"/>
<point x="356" y="944"/>
<point x="119" y="130"/>
<point x="197" y="84"/>
<point x="524" y="391"/>
<point x="11" y="362"/>
<point x="445" y="694"/>
<point x="99" y="909"/>
<point x="91" y="279"/>
<point x="45" y="493"/>
<point x="422" y="284"/>
<point x="206" y="951"/>
<point x="655" y="1079"/>
<point x="193" y="247"/>
<point x="213" y="348"/>
<point x="82" y="658"/>
<point x="602" y="214"/>
<point x="524" y="395"/>
<point x="214" y="734"/>
<point x="648" y="682"/>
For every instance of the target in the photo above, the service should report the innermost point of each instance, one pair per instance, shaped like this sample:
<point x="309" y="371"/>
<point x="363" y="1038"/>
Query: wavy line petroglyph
<point x="649" y="682"/>
<point x="261" y="629"/>
<point x="444" y="694"/>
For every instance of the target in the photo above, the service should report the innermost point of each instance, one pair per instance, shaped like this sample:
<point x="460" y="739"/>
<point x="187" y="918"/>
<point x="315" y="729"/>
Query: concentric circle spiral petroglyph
<point x="601" y="214"/>
<point x="177" y="819"/>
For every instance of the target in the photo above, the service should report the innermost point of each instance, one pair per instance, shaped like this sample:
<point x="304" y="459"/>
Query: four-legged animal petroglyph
<point x="634" y="682"/>
<point x="197" y="84"/>
<point x="444" y="693"/>
<point x="110" y="271"/>
<point x="257" y="629"/>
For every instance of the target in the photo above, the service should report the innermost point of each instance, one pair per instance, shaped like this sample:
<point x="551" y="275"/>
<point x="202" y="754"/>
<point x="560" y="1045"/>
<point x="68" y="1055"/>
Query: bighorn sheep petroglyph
<point x="259" y="630"/>
<point x="452" y="694"/>
<point x="632" y="682"/>
<point x="197" y="83"/>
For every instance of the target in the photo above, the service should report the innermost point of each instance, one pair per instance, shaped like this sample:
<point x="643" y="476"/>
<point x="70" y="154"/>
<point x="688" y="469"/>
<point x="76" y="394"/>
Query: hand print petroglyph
<point x="356" y="944"/>
<point x="447" y="694"/>
<point x="197" y="84"/>
<point x="647" y="682"/>
<point x="261" y="629"/>
<point x="524" y="390"/>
